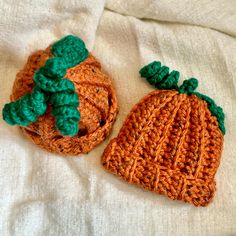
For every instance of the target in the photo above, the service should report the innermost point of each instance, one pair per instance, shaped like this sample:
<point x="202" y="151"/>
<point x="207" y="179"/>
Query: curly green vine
<point x="160" y="77"/>
<point x="51" y="86"/>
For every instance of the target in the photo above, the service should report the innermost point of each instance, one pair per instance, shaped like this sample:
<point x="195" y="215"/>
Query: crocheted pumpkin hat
<point x="171" y="141"/>
<point x="62" y="100"/>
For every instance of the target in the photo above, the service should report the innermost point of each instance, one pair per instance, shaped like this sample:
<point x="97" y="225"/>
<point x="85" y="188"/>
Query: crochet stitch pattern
<point x="83" y="78"/>
<point x="67" y="52"/>
<point x="171" y="141"/>
<point x="159" y="76"/>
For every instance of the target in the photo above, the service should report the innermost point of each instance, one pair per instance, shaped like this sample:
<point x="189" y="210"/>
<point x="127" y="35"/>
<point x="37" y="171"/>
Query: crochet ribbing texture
<point x="160" y="77"/>
<point x="171" y="141"/>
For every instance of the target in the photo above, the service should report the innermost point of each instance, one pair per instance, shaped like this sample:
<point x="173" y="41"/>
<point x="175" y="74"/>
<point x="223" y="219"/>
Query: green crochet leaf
<point x="65" y="111"/>
<point x="159" y="76"/>
<point x="215" y="110"/>
<point x="52" y="86"/>
<point x="54" y="68"/>
<point x="72" y="49"/>
<point x="27" y="109"/>
<point x="188" y="86"/>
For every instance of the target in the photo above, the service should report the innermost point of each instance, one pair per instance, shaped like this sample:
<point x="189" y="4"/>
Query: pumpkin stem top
<point x="51" y="86"/>
<point x="160" y="77"/>
<point x="188" y="86"/>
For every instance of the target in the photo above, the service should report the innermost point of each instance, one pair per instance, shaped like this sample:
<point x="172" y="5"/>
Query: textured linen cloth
<point x="45" y="194"/>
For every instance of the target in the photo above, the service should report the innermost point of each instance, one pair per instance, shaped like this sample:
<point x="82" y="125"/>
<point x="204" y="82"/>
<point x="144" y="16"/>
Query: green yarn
<point x="215" y="110"/>
<point x="72" y="49"/>
<point x="67" y="118"/>
<point x="64" y="98"/>
<point x="150" y="70"/>
<point x="54" y="68"/>
<point x="65" y="111"/>
<point x="52" y="87"/>
<point x="160" y="77"/>
<point x="188" y="86"/>
<point x="65" y="101"/>
<point x="27" y="109"/>
<point x="169" y="81"/>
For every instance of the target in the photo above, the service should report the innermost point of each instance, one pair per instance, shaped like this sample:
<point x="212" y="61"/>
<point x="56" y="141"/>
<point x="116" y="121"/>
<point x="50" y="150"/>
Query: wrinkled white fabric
<point x="45" y="194"/>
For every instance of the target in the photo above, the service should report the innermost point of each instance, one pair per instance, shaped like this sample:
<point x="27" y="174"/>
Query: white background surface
<point x="45" y="194"/>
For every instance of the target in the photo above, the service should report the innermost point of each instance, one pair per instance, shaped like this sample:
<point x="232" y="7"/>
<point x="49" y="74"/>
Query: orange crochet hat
<point x="62" y="99"/>
<point x="171" y="141"/>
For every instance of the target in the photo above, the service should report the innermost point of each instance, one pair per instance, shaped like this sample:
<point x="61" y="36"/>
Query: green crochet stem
<point x="27" y="109"/>
<point x="51" y="86"/>
<point x="160" y="77"/>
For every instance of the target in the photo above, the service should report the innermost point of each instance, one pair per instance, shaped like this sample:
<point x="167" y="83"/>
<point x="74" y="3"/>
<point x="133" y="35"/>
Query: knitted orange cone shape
<point x="62" y="100"/>
<point x="171" y="141"/>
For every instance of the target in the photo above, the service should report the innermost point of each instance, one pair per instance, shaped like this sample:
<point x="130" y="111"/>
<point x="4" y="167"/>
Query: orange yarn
<point x="170" y="144"/>
<point x="98" y="106"/>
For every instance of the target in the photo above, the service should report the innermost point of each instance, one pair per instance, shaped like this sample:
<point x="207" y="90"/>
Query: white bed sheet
<point x="45" y="194"/>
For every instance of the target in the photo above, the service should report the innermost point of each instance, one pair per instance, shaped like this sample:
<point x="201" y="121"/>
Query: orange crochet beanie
<point x="171" y="141"/>
<point x="62" y="99"/>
